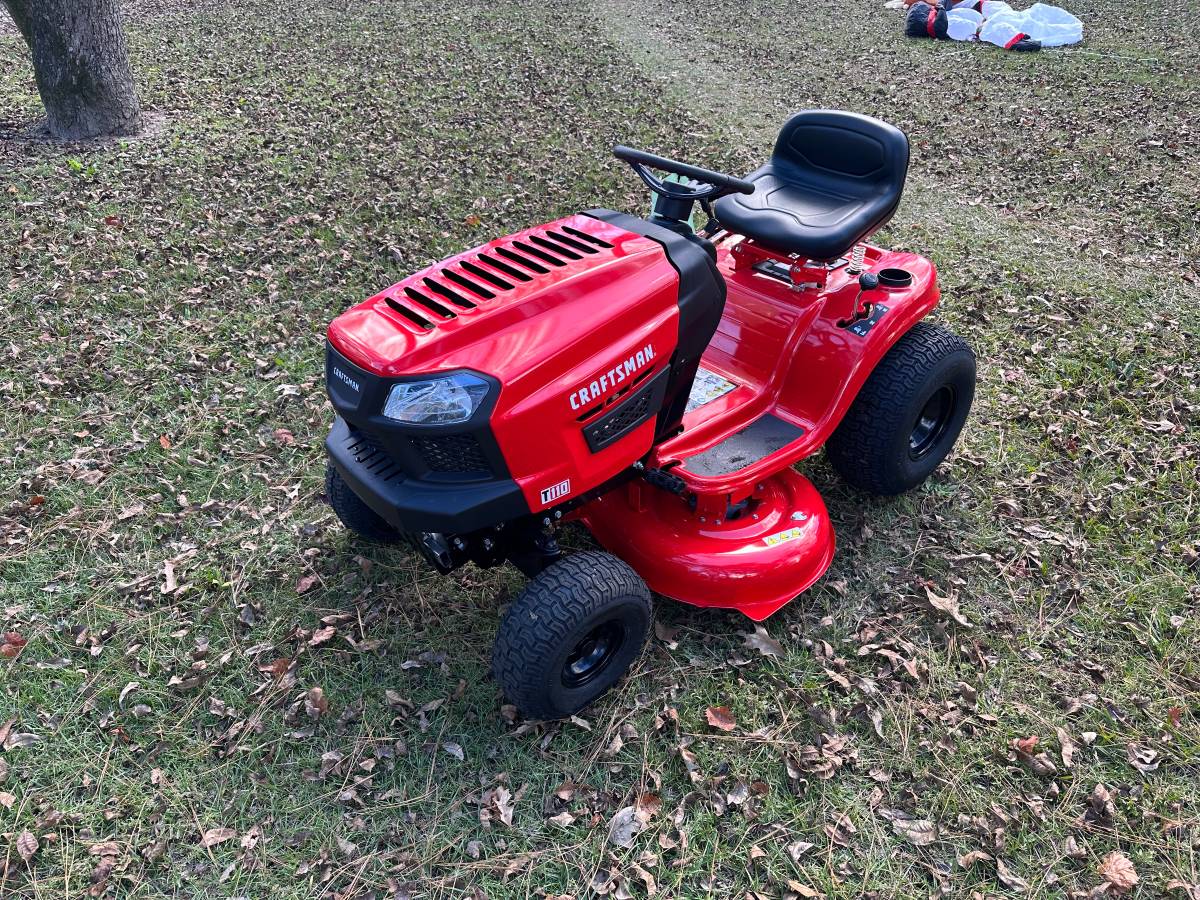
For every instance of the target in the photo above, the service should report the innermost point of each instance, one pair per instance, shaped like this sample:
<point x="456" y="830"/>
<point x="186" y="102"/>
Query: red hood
<point x="495" y="306"/>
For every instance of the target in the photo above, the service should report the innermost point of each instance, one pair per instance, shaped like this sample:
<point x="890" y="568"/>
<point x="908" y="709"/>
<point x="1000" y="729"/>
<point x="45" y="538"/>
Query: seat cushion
<point x="833" y="179"/>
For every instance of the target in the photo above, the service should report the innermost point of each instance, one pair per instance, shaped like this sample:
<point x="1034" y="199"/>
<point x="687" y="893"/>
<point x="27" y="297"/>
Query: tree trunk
<point x="81" y="66"/>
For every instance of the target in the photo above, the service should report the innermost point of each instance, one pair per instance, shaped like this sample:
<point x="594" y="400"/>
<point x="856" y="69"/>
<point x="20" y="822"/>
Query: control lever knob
<point x="868" y="281"/>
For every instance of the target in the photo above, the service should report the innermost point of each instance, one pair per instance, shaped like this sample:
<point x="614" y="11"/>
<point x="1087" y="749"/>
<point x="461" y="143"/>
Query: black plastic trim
<point x="363" y="409"/>
<point x="413" y="505"/>
<point x="701" y="303"/>
<point x="609" y="428"/>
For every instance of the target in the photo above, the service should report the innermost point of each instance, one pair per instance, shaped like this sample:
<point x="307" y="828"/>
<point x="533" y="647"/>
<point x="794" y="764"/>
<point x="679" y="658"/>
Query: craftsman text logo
<point x="550" y="494"/>
<point x="622" y="371"/>
<point x="338" y="373"/>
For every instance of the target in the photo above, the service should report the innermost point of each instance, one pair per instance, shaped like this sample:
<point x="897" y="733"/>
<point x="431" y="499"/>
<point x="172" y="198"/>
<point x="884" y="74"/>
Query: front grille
<point x="452" y="453"/>
<point x="372" y="457"/>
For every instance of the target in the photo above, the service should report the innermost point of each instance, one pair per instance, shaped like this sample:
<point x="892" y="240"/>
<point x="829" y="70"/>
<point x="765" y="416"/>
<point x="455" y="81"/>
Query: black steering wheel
<point x="712" y="184"/>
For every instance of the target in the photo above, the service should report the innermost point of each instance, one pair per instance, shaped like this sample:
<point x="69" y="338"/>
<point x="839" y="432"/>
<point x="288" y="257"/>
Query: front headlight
<point x="437" y="401"/>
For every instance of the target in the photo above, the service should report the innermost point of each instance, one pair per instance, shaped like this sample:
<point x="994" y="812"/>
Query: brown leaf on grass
<point x="625" y="826"/>
<point x="1118" y="871"/>
<point x="27" y="845"/>
<point x="628" y="822"/>
<point x="496" y="805"/>
<point x="1010" y="879"/>
<point x="215" y="836"/>
<point x="315" y="704"/>
<point x="1040" y="764"/>
<point x="946" y="606"/>
<point x="1066" y="747"/>
<point x="668" y="636"/>
<point x="797" y="890"/>
<point x="1175" y="716"/>
<point x="1025" y="744"/>
<point x="277" y="667"/>
<point x="306" y="584"/>
<point x="1191" y="891"/>
<point x="690" y="763"/>
<point x="164" y="442"/>
<point x="11" y="644"/>
<point x="18" y="740"/>
<point x="646" y="879"/>
<point x="1101" y="809"/>
<point x="967" y="860"/>
<point x="720" y="717"/>
<point x="916" y="831"/>
<point x="7" y="800"/>
<point x="759" y="640"/>
<point x="841" y="830"/>
<point x="321" y="636"/>
<point x="1144" y="759"/>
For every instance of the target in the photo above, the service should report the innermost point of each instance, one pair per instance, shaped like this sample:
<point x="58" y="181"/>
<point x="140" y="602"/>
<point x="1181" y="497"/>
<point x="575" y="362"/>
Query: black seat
<point x="832" y="180"/>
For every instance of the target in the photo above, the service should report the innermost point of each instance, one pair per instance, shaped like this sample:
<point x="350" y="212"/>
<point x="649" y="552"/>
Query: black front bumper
<point x="413" y="505"/>
<point x="451" y="479"/>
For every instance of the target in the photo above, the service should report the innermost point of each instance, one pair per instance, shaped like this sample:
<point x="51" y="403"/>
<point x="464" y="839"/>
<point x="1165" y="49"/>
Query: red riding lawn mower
<point x="657" y="385"/>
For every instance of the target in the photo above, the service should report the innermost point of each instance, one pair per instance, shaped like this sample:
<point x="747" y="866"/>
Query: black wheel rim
<point x="592" y="655"/>
<point x="932" y="423"/>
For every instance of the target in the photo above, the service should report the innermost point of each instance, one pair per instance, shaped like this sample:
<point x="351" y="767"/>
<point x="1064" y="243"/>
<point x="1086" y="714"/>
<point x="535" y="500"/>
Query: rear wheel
<point x="571" y="634"/>
<point x="353" y="512"/>
<point x="908" y="413"/>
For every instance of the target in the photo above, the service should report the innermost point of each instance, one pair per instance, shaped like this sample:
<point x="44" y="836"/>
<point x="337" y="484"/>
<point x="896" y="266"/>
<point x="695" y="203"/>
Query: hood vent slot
<point x="584" y="236"/>
<point x="414" y="317"/>
<point x="486" y="276"/>
<point x="468" y="284"/>
<point x="553" y="247"/>
<point x="521" y="260"/>
<point x="539" y="254"/>
<point x="457" y="299"/>
<point x="571" y="242"/>
<point x="508" y="270"/>
<point x="430" y="304"/>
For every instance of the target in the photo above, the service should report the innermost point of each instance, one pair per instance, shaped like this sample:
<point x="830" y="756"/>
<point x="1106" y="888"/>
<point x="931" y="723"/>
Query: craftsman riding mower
<point x="657" y="385"/>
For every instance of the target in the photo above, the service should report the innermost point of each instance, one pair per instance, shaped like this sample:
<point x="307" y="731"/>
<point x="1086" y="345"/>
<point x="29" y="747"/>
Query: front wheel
<point x="908" y="413"/>
<point x="571" y="634"/>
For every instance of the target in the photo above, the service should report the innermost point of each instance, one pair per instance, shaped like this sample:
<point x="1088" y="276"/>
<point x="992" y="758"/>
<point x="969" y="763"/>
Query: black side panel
<point x="701" y="302"/>
<point x="640" y="406"/>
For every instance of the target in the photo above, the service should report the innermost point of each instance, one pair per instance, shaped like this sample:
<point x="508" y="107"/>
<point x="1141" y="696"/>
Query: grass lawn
<point x="223" y="694"/>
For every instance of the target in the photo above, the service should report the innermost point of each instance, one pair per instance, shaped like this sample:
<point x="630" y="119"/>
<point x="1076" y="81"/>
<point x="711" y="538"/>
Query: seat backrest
<point x="845" y="152"/>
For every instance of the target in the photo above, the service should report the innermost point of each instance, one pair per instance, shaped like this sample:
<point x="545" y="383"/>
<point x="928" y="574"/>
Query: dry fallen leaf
<point x="321" y="635"/>
<point x="1067" y="747"/>
<point x="305" y="584"/>
<point x="1010" y="879"/>
<point x="916" y="831"/>
<point x="720" y="717"/>
<point x="947" y="606"/>
<point x="496" y="805"/>
<point x="27" y="845"/>
<point x="759" y="640"/>
<point x="215" y="836"/>
<point x="11" y="644"/>
<point x="1117" y="869"/>
<point x="967" y="860"/>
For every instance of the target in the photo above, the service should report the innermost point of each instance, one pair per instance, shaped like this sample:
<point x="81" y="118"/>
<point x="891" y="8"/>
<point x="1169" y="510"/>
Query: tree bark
<point x="81" y="65"/>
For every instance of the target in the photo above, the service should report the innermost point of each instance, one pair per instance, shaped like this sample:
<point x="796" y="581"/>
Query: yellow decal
<point x="790" y="535"/>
